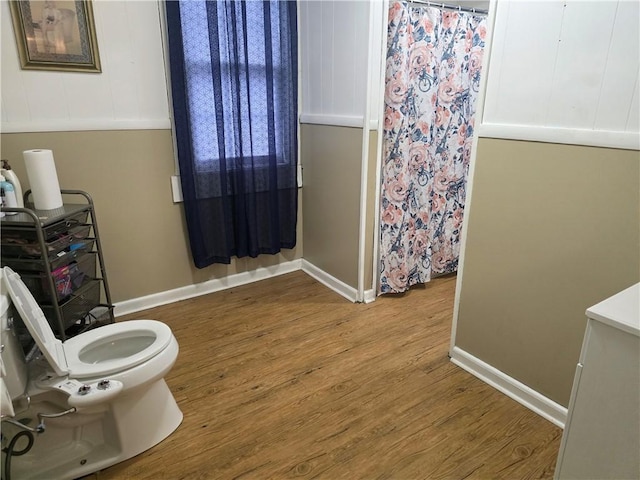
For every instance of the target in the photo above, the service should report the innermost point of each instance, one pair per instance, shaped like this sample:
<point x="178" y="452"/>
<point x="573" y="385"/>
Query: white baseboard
<point x="370" y="296"/>
<point x="162" y="298"/>
<point x="543" y="406"/>
<point x="189" y="291"/>
<point x="330" y="281"/>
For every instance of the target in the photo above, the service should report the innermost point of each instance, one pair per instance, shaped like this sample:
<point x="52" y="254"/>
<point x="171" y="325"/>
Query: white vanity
<point x="601" y="439"/>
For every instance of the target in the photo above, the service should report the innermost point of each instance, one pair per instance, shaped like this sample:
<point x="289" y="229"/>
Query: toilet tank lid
<point x="35" y="321"/>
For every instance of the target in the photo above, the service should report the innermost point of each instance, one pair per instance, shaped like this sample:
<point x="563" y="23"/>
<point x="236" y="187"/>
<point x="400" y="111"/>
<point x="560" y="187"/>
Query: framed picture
<point x="56" y="35"/>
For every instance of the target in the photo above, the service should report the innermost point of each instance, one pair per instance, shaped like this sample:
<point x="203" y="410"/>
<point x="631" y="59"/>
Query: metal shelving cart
<point x="59" y="257"/>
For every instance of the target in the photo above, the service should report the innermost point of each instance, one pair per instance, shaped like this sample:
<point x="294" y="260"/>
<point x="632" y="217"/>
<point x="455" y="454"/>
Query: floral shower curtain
<point x="432" y="81"/>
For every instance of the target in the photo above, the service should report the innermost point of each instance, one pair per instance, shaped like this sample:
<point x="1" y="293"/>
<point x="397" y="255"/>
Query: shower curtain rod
<point x="446" y="6"/>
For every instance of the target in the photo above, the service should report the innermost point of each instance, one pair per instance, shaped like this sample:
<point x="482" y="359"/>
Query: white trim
<point x="164" y="34"/>
<point x="329" y="281"/>
<point x="299" y="166"/>
<point x="534" y="401"/>
<point x="380" y="127"/>
<point x="87" y="124"/>
<point x="299" y="99"/>
<point x="176" y="189"/>
<point x="364" y="162"/>
<point x="370" y="295"/>
<point x="333" y="120"/>
<point x="518" y="391"/>
<point x="338" y="120"/>
<point x="491" y="19"/>
<point x="189" y="291"/>
<point x="571" y="136"/>
<point x="354" y="121"/>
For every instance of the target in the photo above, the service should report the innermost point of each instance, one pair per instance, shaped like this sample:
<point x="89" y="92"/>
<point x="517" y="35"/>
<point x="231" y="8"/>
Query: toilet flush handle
<point x="83" y="395"/>
<point x="84" y="389"/>
<point x="104" y="384"/>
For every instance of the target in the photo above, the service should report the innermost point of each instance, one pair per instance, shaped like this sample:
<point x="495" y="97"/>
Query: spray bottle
<point x="12" y="178"/>
<point x="8" y="194"/>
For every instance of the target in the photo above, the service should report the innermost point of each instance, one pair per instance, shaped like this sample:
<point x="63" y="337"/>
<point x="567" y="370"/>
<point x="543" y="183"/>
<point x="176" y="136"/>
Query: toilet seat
<point x="73" y="357"/>
<point x="158" y="334"/>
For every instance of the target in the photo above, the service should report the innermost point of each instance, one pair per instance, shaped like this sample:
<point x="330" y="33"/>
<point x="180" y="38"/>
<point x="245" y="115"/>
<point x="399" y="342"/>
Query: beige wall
<point x="331" y="160"/>
<point x="143" y="232"/>
<point x="553" y="229"/>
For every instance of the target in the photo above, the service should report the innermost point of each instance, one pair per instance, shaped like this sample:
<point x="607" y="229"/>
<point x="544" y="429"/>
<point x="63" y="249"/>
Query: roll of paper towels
<point x="43" y="179"/>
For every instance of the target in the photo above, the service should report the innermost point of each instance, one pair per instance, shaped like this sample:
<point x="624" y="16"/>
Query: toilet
<point x="98" y="398"/>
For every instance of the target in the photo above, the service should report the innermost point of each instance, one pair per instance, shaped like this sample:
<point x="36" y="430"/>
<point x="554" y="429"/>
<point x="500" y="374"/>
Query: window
<point x="222" y="64"/>
<point x="234" y="86"/>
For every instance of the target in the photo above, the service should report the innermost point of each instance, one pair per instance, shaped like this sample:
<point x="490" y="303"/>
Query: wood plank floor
<point x="285" y="379"/>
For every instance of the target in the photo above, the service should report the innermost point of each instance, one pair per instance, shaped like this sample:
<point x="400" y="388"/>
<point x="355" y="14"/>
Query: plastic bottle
<point x="12" y="178"/>
<point x="9" y="195"/>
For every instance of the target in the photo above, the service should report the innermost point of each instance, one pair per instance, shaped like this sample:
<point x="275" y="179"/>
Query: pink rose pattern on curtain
<point x="432" y="81"/>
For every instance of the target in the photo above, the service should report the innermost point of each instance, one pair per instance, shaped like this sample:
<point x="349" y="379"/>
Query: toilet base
<point x="87" y="441"/>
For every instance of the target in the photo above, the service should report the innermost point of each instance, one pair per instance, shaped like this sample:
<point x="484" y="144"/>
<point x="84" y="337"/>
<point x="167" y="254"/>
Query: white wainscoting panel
<point x="523" y="51"/>
<point x="376" y="58"/>
<point x="633" y="120"/>
<point x="130" y="92"/>
<point x="620" y="81"/>
<point x="566" y="65"/>
<point x="310" y="41"/>
<point x="334" y="37"/>
<point x="580" y="63"/>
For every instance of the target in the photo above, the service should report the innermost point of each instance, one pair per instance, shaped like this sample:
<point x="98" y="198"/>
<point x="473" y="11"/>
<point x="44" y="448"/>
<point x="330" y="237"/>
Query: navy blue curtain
<point x="234" y="71"/>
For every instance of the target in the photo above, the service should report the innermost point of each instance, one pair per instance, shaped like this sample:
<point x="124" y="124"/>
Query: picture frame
<point x="56" y="35"/>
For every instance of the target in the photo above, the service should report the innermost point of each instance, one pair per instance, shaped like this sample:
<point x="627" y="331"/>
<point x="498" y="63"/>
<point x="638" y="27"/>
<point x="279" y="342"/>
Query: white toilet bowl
<point x="110" y="380"/>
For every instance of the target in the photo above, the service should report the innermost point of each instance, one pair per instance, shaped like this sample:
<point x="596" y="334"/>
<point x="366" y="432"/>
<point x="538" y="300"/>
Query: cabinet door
<point x="603" y="430"/>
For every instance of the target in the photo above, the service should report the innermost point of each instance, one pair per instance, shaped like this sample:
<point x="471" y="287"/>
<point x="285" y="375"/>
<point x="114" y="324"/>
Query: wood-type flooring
<point x="284" y="378"/>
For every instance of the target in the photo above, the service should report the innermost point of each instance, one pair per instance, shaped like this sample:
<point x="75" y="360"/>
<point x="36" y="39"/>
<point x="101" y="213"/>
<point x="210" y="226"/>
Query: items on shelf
<point x="43" y="178"/>
<point x="8" y="194"/>
<point x="12" y="178"/>
<point x="58" y="255"/>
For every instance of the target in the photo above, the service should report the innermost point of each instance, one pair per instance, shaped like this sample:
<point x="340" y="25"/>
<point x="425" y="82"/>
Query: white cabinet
<point x="601" y="439"/>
